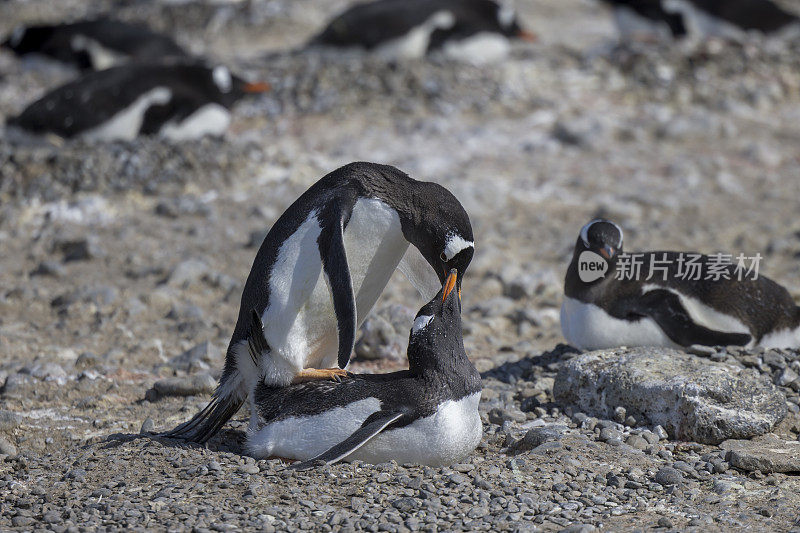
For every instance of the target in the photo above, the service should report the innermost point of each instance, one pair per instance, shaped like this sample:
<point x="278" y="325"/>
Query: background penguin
<point x="320" y="270"/>
<point x="471" y="30"/>
<point x="427" y="414"/>
<point x="178" y="102"/>
<point x="611" y="312"/>
<point x="733" y="18"/>
<point x="646" y="20"/>
<point x="94" y="44"/>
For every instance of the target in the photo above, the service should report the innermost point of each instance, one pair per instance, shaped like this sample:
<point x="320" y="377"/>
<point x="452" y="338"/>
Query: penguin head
<point x="497" y="17"/>
<point x="231" y="88"/>
<point x="442" y="231"/>
<point x="437" y="327"/>
<point x="602" y="237"/>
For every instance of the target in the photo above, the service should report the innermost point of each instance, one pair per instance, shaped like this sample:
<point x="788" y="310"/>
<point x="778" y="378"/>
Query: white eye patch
<point x="456" y="243"/>
<point x="420" y="323"/>
<point x="222" y="78"/>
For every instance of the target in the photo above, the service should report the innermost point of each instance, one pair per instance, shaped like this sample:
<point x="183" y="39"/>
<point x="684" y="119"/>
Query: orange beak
<point x="526" y="35"/>
<point x="257" y="87"/>
<point x="449" y="285"/>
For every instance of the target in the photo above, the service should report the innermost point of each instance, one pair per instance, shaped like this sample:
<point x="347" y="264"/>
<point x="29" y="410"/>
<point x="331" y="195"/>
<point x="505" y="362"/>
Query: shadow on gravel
<point x="528" y="367"/>
<point x="227" y="440"/>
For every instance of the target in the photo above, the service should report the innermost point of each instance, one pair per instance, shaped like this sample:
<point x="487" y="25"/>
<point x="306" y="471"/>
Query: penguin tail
<point x="207" y="422"/>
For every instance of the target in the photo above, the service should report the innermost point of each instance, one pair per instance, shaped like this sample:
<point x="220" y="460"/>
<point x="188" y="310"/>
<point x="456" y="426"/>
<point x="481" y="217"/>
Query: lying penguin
<point x="701" y="19"/>
<point x="94" y="44"/>
<point x="427" y="414"/>
<point x="678" y="311"/>
<point x="471" y="30"/>
<point x="178" y="102"/>
<point x="320" y="270"/>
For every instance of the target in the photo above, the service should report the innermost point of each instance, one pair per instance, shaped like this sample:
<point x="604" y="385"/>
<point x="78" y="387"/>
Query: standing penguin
<point x="647" y="20"/>
<point x="674" y="307"/>
<point x="178" y="102"/>
<point x="734" y="18"/>
<point x="464" y="29"/>
<point x="94" y="44"/>
<point x="319" y="271"/>
<point x="427" y="414"/>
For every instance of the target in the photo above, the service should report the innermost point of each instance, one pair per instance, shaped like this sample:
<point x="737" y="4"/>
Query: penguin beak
<point x="608" y="251"/>
<point x="257" y="87"/>
<point x="526" y="35"/>
<point x="450" y="284"/>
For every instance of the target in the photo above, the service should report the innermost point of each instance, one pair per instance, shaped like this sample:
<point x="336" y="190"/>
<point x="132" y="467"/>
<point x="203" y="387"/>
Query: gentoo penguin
<point x="427" y="414"/>
<point x="94" y="44"/>
<point x="471" y="30"/>
<point x="321" y="268"/>
<point x="646" y="20"/>
<point x="733" y="18"/>
<point x="178" y="102"/>
<point x="613" y="306"/>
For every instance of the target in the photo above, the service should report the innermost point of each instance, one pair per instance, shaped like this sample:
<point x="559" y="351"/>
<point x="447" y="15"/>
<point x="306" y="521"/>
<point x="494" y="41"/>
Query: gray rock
<point x="82" y="249"/>
<point x="187" y="273"/>
<point x="7" y="447"/>
<point x="188" y="386"/>
<point x="49" y="268"/>
<point x="379" y="340"/>
<point x="536" y="437"/>
<point x="786" y="377"/>
<point x="668" y="476"/>
<point x="692" y="398"/>
<point x="148" y="426"/>
<point x="198" y="357"/>
<point x="9" y="420"/>
<point x="767" y="454"/>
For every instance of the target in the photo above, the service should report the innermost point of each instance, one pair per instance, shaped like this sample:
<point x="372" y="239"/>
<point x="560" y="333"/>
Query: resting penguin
<point x="94" y="44"/>
<point x="733" y="18"/>
<point x="321" y="268"/>
<point x="471" y="30"/>
<point x="677" y="312"/>
<point x="427" y="414"/>
<point x="178" y="102"/>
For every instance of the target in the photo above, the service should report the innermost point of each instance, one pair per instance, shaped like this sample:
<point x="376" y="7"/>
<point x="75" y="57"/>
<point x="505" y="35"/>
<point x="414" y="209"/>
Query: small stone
<point x="668" y="476"/>
<point x="785" y="377"/>
<point x="609" y="434"/>
<point x="637" y="442"/>
<point x="49" y="268"/>
<point x="536" y="437"/>
<point x="82" y="249"/>
<point x="21" y="521"/>
<point x="187" y="273"/>
<point x="7" y="447"/>
<point x="148" y="426"/>
<point x="665" y="522"/>
<point x="767" y="454"/>
<point x="87" y="360"/>
<point x="661" y="433"/>
<point x="619" y="414"/>
<point x="203" y="354"/>
<point x="51" y="517"/>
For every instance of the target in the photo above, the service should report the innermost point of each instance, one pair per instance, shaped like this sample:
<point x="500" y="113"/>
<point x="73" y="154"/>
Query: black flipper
<point x="666" y="309"/>
<point x="256" y="342"/>
<point x="334" y="262"/>
<point x="373" y="425"/>
<point x="208" y="422"/>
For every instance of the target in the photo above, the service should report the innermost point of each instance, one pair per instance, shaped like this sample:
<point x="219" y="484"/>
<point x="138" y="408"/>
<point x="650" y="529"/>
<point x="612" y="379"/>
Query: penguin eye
<point x="443" y="257"/>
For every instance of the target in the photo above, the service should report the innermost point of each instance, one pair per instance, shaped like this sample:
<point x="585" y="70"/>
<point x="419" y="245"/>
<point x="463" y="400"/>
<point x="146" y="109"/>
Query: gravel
<point x="687" y="149"/>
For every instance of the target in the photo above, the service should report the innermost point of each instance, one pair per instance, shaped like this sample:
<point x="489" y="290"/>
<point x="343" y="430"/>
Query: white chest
<point x="125" y="125"/>
<point x="589" y="327"/>
<point x="414" y="44"/>
<point x="479" y="49"/>
<point x="211" y="119"/>
<point x="299" y="322"/>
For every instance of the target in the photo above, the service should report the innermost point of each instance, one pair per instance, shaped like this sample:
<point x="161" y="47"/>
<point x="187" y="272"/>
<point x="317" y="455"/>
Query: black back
<point x="654" y="11"/>
<point x="96" y="97"/>
<point x="371" y="24"/>
<point x="428" y="214"/>
<point x="136" y="41"/>
<point x="439" y="370"/>
<point x="760" y="15"/>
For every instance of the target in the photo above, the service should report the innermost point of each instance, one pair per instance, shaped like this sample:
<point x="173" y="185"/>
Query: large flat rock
<point x="767" y="454"/>
<point x="692" y="398"/>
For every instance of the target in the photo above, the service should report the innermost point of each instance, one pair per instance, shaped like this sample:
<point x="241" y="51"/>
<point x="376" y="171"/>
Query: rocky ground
<point x="122" y="266"/>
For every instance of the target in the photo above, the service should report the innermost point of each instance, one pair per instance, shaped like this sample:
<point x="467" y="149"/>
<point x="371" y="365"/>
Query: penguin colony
<point x="328" y="258"/>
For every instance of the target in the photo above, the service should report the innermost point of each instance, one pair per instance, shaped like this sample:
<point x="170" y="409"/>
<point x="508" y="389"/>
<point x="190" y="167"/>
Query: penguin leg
<point x="373" y="425"/>
<point x="317" y="374"/>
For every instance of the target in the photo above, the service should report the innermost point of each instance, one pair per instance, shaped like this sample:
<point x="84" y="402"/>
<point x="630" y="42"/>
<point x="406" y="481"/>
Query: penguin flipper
<point x="666" y="309"/>
<point x="337" y="271"/>
<point x="373" y="425"/>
